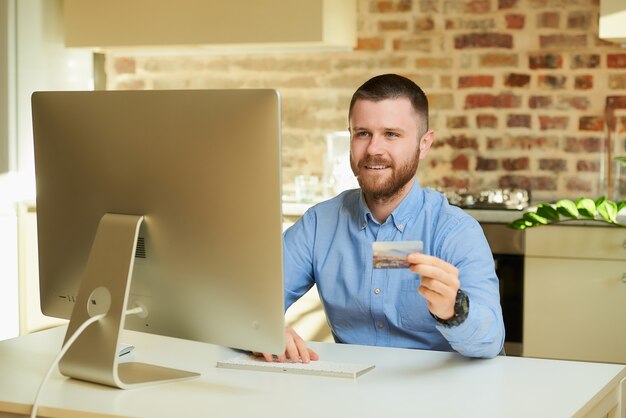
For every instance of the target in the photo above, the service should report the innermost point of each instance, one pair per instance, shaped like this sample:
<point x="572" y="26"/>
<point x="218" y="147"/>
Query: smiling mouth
<point x="376" y="167"/>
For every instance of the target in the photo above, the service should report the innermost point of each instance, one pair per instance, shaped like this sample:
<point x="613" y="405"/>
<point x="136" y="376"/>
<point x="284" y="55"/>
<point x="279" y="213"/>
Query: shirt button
<point x="401" y="227"/>
<point x="381" y="325"/>
<point x="377" y="291"/>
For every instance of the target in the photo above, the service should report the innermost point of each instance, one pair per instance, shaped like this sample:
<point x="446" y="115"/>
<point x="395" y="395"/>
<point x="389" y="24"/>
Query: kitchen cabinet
<point x="575" y="293"/>
<point x="211" y="25"/>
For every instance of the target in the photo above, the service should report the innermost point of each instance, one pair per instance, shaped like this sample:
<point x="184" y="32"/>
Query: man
<point x="448" y="298"/>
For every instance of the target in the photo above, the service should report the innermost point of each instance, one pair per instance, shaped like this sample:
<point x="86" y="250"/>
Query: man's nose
<point x="376" y="145"/>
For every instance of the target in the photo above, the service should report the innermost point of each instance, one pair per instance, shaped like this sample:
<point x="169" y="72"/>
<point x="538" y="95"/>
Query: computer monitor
<point x="166" y="200"/>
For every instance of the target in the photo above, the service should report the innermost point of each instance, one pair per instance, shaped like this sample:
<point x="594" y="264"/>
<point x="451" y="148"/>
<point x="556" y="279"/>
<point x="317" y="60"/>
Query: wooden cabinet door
<point x="575" y="309"/>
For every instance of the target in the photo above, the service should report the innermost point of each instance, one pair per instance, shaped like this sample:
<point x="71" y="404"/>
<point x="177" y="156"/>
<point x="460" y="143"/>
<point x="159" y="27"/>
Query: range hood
<point x="612" y="24"/>
<point x="215" y="25"/>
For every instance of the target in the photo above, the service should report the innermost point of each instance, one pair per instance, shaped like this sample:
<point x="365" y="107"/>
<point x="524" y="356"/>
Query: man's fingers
<point x="295" y="350"/>
<point x="429" y="260"/>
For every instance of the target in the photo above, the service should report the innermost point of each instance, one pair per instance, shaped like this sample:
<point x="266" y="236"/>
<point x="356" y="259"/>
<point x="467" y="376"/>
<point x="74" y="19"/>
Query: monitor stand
<point x="104" y="289"/>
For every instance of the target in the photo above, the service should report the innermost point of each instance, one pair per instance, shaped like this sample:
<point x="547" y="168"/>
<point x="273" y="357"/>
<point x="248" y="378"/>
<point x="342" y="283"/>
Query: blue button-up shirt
<point x="331" y="246"/>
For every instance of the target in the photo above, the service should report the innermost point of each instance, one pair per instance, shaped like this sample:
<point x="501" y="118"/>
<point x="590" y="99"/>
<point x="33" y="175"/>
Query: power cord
<point x="66" y="346"/>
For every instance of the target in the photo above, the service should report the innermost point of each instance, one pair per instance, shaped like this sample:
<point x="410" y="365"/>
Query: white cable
<point x="66" y="346"/>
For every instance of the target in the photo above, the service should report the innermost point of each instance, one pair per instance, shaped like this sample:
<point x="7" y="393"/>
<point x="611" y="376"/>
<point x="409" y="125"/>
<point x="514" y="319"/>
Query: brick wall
<point x="517" y="88"/>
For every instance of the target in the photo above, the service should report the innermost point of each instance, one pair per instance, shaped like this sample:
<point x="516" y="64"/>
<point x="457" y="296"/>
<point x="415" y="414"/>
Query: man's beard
<point x="383" y="190"/>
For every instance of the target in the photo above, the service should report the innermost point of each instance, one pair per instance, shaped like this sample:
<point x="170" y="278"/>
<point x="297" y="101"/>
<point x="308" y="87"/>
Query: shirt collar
<point x="406" y="210"/>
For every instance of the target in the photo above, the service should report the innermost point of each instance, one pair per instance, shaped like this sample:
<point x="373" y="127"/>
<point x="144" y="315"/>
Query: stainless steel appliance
<point x="507" y="246"/>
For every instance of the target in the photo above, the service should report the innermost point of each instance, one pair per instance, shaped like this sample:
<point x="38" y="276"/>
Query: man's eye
<point x="362" y="134"/>
<point x="392" y="134"/>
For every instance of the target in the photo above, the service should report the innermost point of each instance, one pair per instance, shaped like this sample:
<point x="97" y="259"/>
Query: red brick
<point x="583" y="82"/>
<point x="585" y="61"/>
<point x="426" y="62"/>
<point x="424" y="24"/>
<point x="616" y="60"/>
<point x="584" y="145"/>
<point x="478" y="6"/>
<point x="528" y="142"/>
<point x="389" y="6"/>
<point x="460" y="142"/>
<point x="392" y="25"/>
<point x="617" y="81"/>
<point x="515" y="21"/>
<point x="553" y="122"/>
<point x="483" y="40"/>
<point x="579" y="20"/>
<point x="460" y="163"/>
<point x="553" y="164"/>
<point x="456" y="122"/>
<point x="591" y="123"/>
<point x="562" y="41"/>
<point x="370" y="43"/>
<point x="549" y="61"/>
<point x="578" y="185"/>
<point x="575" y="102"/>
<point x="507" y="4"/>
<point x="540" y="102"/>
<point x="486" y="121"/>
<point x="413" y="44"/>
<point x="475" y="81"/>
<point x="616" y="102"/>
<point x="588" y="166"/>
<point x="515" y="164"/>
<point x="517" y="80"/>
<point x="455" y="183"/>
<point x="518" y="121"/>
<point x="475" y="25"/>
<point x="502" y="101"/>
<point x="530" y="183"/>
<point x="499" y="60"/>
<point x="486" y="164"/>
<point x="548" y="20"/>
<point x="552" y="81"/>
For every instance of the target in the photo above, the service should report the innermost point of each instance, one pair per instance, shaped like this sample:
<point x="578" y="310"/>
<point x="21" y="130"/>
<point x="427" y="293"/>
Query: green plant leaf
<point x="621" y="205"/>
<point x="599" y="201"/>
<point x="519" y="224"/>
<point x="621" y="160"/>
<point x="535" y="219"/>
<point x="567" y="208"/>
<point x="608" y="210"/>
<point x="586" y="207"/>
<point x="547" y="211"/>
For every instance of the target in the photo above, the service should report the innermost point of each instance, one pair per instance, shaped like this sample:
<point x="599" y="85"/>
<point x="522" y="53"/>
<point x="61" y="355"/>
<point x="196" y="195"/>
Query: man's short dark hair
<point x="393" y="86"/>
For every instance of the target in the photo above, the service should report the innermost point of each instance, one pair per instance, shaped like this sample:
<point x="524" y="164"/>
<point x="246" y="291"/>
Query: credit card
<point x="393" y="254"/>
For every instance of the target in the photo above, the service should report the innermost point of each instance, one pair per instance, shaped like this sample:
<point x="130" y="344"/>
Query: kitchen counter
<point x="293" y="210"/>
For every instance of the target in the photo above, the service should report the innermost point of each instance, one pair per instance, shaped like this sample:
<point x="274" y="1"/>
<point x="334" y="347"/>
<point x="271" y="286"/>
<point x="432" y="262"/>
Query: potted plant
<point x="600" y="210"/>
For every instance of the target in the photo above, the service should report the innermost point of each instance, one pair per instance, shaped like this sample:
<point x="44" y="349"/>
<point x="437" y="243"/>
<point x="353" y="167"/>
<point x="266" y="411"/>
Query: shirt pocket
<point x="414" y="314"/>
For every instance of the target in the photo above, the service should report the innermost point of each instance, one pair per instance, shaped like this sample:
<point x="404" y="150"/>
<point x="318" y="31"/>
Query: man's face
<point x="386" y="145"/>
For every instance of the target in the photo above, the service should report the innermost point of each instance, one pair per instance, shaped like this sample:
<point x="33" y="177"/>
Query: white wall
<point x="32" y="58"/>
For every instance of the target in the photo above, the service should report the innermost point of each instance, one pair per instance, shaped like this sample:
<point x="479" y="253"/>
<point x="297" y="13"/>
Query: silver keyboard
<point x="317" y="368"/>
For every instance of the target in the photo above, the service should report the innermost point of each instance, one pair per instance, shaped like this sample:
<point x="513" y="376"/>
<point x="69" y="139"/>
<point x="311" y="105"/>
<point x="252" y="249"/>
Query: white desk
<point x="408" y="383"/>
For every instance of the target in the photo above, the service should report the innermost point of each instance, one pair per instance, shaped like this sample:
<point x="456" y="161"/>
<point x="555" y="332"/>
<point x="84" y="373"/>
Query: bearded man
<point x="447" y="297"/>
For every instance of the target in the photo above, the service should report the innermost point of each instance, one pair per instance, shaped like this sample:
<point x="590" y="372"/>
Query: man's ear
<point x="425" y="143"/>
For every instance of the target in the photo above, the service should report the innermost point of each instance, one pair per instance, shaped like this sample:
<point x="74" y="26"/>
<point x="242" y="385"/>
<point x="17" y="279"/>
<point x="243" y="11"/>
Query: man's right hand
<point x="295" y="350"/>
